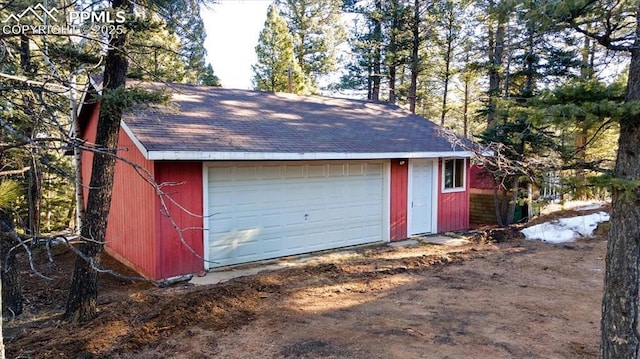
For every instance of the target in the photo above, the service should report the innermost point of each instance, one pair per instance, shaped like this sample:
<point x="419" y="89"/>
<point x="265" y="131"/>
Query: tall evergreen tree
<point x="184" y="20"/>
<point x="38" y="75"/>
<point x="615" y="25"/>
<point x="33" y="122"/>
<point x="277" y="69"/>
<point x="449" y="17"/>
<point x="83" y="293"/>
<point x="533" y="56"/>
<point x="171" y="48"/>
<point x="397" y="16"/>
<point x="317" y="33"/>
<point x="154" y="55"/>
<point x="11" y="289"/>
<point x="497" y="14"/>
<point x="364" y="64"/>
<point x="115" y="99"/>
<point x="209" y="78"/>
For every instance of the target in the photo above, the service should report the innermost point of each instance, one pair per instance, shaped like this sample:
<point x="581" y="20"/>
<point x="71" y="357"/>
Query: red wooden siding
<point x="130" y="232"/>
<point x="175" y="258"/>
<point x="89" y="125"/>
<point x="453" y="208"/>
<point x="130" y="235"/>
<point x="479" y="178"/>
<point x="398" y="200"/>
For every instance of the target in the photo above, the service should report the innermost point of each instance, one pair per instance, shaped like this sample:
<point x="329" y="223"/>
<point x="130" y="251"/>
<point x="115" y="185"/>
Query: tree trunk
<point x="83" y="293"/>
<point x="392" y="51"/>
<point x="496" y="53"/>
<point x="369" y="80"/>
<point x="25" y="54"/>
<point x="445" y="91"/>
<point x="34" y="197"/>
<point x="465" y="108"/>
<point x="586" y="73"/>
<point x="377" y="54"/>
<point x="497" y="205"/>
<point x="34" y="190"/>
<point x="2" y="351"/>
<point x="415" y="61"/>
<point x="513" y="202"/>
<point x="11" y="289"/>
<point x="619" y="323"/>
<point x="392" y="83"/>
<point x="447" y="63"/>
<point x="580" y="188"/>
<point x="77" y="159"/>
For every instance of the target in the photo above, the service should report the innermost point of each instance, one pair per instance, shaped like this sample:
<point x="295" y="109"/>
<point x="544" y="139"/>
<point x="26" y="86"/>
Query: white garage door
<point x="272" y="210"/>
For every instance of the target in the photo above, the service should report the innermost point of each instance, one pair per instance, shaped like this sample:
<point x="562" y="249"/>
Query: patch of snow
<point x="576" y="205"/>
<point x="566" y="229"/>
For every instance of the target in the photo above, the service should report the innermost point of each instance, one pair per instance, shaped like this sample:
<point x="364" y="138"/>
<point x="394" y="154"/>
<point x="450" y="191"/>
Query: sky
<point x="233" y="27"/>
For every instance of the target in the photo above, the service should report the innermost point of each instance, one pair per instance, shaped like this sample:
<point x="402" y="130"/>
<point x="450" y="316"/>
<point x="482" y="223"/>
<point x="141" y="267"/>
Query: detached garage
<point x="246" y="176"/>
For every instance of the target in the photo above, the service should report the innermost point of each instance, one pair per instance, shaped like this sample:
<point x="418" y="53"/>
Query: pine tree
<point x="209" y="78"/>
<point x="615" y="25"/>
<point x="115" y="100"/>
<point x="11" y="288"/>
<point x="39" y="73"/>
<point x="276" y="66"/>
<point x="397" y="16"/>
<point x="532" y="56"/>
<point x="171" y="48"/>
<point x="317" y="33"/>
<point x="155" y="55"/>
<point x="497" y="14"/>
<point x="183" y="19"/>
<point x="583" y="111"/>
<point x="449" y="15"/>
<point x="363" y="65"/>
<point x="82" y="303"/>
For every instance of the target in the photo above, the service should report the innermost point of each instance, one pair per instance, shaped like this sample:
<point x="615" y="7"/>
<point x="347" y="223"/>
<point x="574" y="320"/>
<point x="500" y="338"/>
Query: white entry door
<point x="269" y="210"/>
<point x="421" y="188"/>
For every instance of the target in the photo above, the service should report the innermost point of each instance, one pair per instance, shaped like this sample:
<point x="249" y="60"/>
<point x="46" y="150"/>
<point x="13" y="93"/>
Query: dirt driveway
<point x="515" y="299"/>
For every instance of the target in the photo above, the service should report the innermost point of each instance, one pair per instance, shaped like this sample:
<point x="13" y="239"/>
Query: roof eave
<point x="287" y="156"/>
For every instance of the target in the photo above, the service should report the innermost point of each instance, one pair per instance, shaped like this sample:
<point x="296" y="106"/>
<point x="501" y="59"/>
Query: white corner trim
<point x="386" y="195"/>
<point x="287" y="156"/>
<point x="410" y="185"/>
<point x="133" y="138"/>
<point x="205" y="216"/>
<point x="436" y="196"/>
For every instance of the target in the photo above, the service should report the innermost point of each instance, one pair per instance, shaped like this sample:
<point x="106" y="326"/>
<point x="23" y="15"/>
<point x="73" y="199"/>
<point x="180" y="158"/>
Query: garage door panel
<point x="246" y="173"/>
<point x="356" y="169"/>
<point x="336" y="170"/>
<point x="293" y="171"/>
<point x="374" y="169"/>
<point x="268" y="211"/>
<point x="224" y="174"/>
<point x="270" y="171"/>
<point x="316" y="171"/>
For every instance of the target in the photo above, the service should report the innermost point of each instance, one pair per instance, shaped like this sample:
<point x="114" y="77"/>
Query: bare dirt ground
<point x="488" y="299"/>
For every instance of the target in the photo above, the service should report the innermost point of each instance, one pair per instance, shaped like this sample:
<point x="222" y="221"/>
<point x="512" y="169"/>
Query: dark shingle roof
<point x="217" y="120"/>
